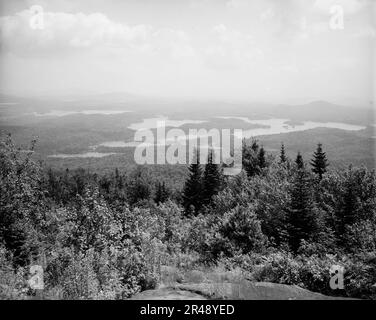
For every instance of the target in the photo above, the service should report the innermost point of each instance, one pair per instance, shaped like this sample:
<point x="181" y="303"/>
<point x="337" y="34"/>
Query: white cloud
<point x="231" y="48"/>
<point x="365" y="32"/>
<point x="232" y="36"/>
<point x="349" y="6"/>
<point x="238" y="50"/>
<point x="236" y="4"/>
<point x="65" y="31"/>
<point x="267" y="14"/>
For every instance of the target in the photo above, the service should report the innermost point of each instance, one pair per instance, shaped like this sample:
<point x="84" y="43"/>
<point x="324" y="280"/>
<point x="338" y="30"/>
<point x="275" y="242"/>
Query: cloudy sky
<point x="257" y="50"/>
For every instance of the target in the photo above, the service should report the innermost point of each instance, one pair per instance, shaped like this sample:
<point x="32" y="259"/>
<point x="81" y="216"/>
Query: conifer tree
<point x="192" y="194"/>
<point x="261" y="158"/>
<point x="253" y="158"/>
<point x="53" y="185"/>
<point x="139" y="188"/>
<point x="299" y="161"/>
<point x="162" y="194"/>
<point x="348" y="212"/>
<point x="301" y="215"/>
<point x="118" y="179"/>
<point x="282" y="156"/>
<point x="319" y="162"/>
<point x="211" y="180"/>
<point x="250" y="158"/>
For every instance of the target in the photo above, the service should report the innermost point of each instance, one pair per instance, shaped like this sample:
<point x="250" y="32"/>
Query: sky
<point x="246" y="50"/>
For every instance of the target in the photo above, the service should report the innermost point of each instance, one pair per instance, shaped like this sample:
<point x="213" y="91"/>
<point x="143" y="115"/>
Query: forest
<point x="106" y="235"/>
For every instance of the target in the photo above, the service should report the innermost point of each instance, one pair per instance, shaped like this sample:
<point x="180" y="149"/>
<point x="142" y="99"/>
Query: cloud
<point x="232" y="36"/>
<point x="236" y="4"/>
<point x="230" y="48"/>
<point x="365" y="32"/>
<point x="62" y="32"/>
<point x="349" y="6"/>
<point x="268" y="14"/>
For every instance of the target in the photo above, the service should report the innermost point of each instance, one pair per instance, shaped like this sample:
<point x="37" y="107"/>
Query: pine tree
<point x="162" y="194"/>
<point x="192" y="194"/>
<point x="261" y="158"/>
<point x="118" y="179"/>
<point x="53" y="185"/>
<point x="158" y="193"/>
<point x="319" y="162"/>
<point x="138" y="188"/>
<point x="282" y="156"/>
<point x="253" y="158"/>
<point x="349" y="205"/>
<point x="211" y="180"/>
<point x="250" y="163"/>
<point x="299" y="161"/>
<point x="301" y="214"/>
<point x="347" y="213"/>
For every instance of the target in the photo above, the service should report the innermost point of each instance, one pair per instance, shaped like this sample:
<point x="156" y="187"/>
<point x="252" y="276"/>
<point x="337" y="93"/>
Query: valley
<point x="98" y="132"/>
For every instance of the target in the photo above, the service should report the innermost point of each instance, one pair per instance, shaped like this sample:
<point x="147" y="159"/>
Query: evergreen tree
<point x="347" y="213"/>
<point x="319" y="162"/>
<point x="139" y="188"/>
<point x="118" y="179"/>
<point x="192" y="194"/>
<point x="212" y="179"/>
<point x="282" y="156"/>
<point x="162" y="194"/>
<point x="253" y="158"/>
<point x="104" y="185"/>
<point x="67" y="188"/>
<point x="299" y="161"/>
<point x="53" y="185"/>
<point x="302" y="222"/>
<point x="261" y="158"/>
<point x="349" y="204"/>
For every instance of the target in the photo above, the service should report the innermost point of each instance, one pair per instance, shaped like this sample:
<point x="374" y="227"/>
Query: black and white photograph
<point x="191" y="150"/>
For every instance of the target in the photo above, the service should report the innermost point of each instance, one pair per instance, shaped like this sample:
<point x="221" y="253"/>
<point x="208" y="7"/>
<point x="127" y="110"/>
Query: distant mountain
<point x="323" y="111"/>
<point x="319" y="111"/>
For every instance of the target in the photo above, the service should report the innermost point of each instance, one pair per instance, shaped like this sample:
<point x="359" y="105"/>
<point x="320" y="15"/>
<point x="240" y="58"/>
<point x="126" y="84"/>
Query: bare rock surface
<point x="245" y="290"/>
<point x="168" y="294"/>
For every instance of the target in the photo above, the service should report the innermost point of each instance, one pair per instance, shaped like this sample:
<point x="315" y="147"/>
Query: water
<point x="82" y="155"/>
<point x="274" y="126"/>
<point x="8" y="103"/>
<point x="61" y="113"/>
<point x="116" y="144"/>
<point x="153" y="123"/>
<point x="278" y="126"/>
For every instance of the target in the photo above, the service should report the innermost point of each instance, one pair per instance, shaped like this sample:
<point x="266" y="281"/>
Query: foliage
<point x="192" y="194"/>
<point x="12" y="282"/>
<point x="299" y="161"/>
<point x="212" y="179"/>
<point x="302" y="218"/>
<point x="110" y="236"/>
<point x="282" y="156"/>
<point x="319" y="162"/>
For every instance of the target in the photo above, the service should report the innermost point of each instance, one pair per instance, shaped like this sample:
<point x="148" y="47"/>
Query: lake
<point x="61" y="113"/>
<point x="82" y="155"/>
<point x="153" y="123"/>
<point x="274" y="126"/>
<point x="278" y="126"/>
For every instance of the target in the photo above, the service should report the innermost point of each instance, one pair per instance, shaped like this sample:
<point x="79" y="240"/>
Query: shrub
<point x="12" y="282"/>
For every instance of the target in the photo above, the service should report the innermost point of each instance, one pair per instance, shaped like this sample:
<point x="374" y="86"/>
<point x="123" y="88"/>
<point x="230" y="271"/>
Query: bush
<point x="12" y="282"/>
<point x="278" y="268"/>
<point x="313" y="273"/>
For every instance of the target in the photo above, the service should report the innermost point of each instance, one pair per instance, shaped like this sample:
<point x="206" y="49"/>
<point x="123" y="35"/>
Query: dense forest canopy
<point x="281" y="220"/>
